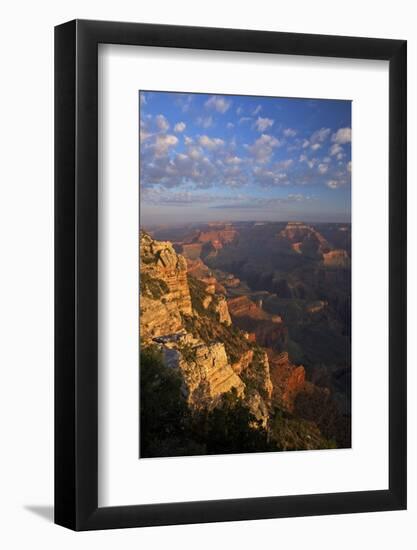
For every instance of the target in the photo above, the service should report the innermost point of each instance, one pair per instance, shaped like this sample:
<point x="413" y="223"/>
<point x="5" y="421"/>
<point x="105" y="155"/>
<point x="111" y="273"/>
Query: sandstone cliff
<point x="205" y="369"/>
<point x="164" y="292"/>
<point x="189" y="322"/>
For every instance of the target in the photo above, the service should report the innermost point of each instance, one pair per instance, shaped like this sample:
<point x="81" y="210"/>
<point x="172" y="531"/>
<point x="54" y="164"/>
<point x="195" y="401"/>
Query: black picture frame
<point x="76" y="272"/>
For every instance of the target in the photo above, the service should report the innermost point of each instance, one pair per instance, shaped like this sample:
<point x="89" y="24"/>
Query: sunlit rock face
<point x="165" y="301"/>
<point x="288" y="380"/>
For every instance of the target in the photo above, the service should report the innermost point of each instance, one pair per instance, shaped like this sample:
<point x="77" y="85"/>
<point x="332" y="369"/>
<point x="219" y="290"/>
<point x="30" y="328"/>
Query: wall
<point x="26" y="291"/>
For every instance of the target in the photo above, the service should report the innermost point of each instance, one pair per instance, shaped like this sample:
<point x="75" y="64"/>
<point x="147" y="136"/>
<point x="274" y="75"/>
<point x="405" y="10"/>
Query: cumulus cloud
<point x="269" y="177"/>
<point x="210" y="143"/>
<point x="263" y="147"/>
<point x="289" y="132"/>
<point x="322" y="168"/>
<point x="179" y="127"/>
<point x="162" y="123"/>
<point x="163" y="142"/>
<point x="144" y="132"/>
<point x="343" y="135"/>
<point x="284" y="164"/>
<point x="220" y="104"/>
<point x="333" y="184"/>
<point x="305" y="144"/>
<point x="335" y="149"/>
<point x="184" y="101"/>
<point x="263" y="124"/>
<point x="233" y="160"/>
<point x="320" y="135"/>
<point x="315" y="146"/>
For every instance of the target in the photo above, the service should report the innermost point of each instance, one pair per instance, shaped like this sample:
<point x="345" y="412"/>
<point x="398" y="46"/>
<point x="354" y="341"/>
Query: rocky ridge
<point x="189" y="322"/>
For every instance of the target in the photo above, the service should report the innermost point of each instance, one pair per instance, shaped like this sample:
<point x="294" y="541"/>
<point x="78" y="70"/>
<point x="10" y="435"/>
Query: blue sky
<point x="206" y="157"/>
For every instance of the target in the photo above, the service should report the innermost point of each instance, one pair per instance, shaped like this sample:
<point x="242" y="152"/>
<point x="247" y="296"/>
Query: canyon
<point x="252" y="317"/>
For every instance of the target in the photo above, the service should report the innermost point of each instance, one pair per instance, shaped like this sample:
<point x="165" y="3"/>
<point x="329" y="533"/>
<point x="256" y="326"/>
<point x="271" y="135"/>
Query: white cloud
<point x="144" y="131"/>
<point x="210" y="143"/>
<point x="320" y="135"/>
<point x="263" y="147"/>
<point x="303" y="158"/>
<point x="162" y="123"/>
<point x="267" y="177"/>
<point x="343" y="135"/>
<point x="244" y="119"/>
<point x="333" y="184"/>
<point x="315" y="146"/>
<point x="142" y="99"/>
<point x="230" y="125"/>
<point x="335" y="149"/>
<point x="163" y="143"/>
<point x="257" y="110"/>
<point x="205" y="121"/>
<point x="179" y="127"/>
<point x="289" y="132"/>
<point x="285" y="164"/>
<point x="306" y="143"/>
<point x="263" y="124"/>
<point x="220" y="104"/>
<point x="194" y="153"/>
<point x="233" y="160"/>
<point x="322" y="168"/>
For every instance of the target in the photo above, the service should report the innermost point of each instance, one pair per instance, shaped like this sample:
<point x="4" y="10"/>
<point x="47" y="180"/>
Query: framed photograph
<point x="230" y="248"/>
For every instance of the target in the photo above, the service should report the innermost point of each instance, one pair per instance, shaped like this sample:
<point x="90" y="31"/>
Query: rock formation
<point x="269" y="330"/>
<point x="288" y="380"/>
<point x="172" y="306"/>
<point x="164" y="291"/>
<point x="336" y="258"/>
<point x="206" y="371"/>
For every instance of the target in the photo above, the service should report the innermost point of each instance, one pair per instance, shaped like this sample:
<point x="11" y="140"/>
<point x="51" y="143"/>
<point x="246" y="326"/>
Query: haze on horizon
<point x="210" y="157"/>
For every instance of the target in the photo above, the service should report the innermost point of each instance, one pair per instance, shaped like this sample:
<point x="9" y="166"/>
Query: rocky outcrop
<point x="205" y="369"/>
<point x="219" y="237"/>
<point x="164" y="291"/>
<point x="221" y="309"/>
<point x="243" y="362"/>
<point x="336" y="258"/>
<point x="165" y="301"/>
<point x="258" y="408"/>
<point x="297" y="232"/>
<point x="242" y="306"/>
<point x="269" y="330"/>
<point x="288" y="380"/>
